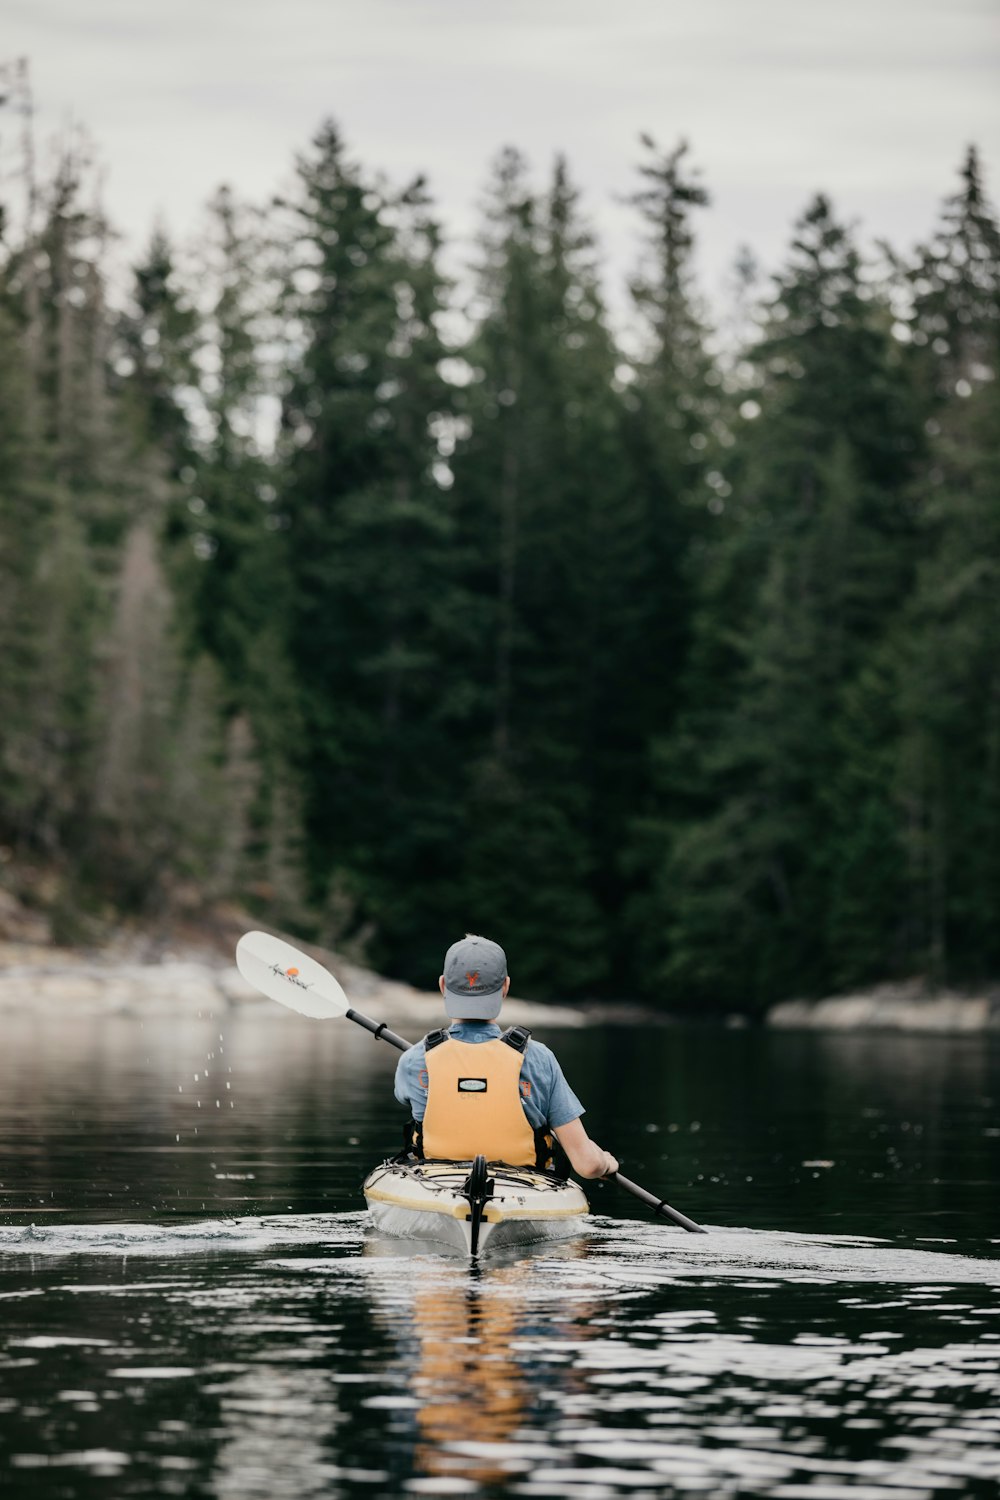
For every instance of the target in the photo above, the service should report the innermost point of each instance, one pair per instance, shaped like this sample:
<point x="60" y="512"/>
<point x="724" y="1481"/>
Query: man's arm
<point x="411" y="1081"/>
<point x="586" y="1156"/>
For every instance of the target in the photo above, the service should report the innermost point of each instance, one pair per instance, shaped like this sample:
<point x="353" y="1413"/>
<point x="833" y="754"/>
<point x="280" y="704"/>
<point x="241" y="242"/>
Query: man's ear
<point x="506" y="986"/>
<point x="441" y="984"/>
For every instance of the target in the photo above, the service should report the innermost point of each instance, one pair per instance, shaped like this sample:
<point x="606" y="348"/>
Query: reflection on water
<point x="472" y="1385"/>
<point x="323" y="1361"/>
<point x="208" y="1316"/>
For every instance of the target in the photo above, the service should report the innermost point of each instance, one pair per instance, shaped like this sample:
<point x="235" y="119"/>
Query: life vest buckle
<point x="517" y="1037"/>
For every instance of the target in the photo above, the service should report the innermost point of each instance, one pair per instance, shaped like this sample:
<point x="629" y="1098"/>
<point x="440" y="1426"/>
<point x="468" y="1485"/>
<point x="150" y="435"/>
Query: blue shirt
<point x="548" y="1100"/>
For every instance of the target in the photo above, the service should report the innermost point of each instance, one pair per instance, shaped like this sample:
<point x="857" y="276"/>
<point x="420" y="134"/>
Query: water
<point x="190" y="1303"/>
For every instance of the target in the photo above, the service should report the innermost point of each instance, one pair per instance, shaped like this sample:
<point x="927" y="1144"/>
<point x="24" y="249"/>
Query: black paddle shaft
<point x="657" y="1204"/>
<point x="379" y="1030"/>
<point x="381" y="1033"/>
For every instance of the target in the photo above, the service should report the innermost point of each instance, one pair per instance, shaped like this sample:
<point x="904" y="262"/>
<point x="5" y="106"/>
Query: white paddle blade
<point x="292" y="978"/>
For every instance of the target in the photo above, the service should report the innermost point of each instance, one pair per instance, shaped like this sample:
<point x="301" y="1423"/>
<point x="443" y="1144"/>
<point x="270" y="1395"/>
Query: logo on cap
<point x="473" y="978"/>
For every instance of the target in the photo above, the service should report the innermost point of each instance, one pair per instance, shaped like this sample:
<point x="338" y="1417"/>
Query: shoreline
<point x="908" y="1006"/>
<point x="187" y="981"/>
<point x="191" y="973"/>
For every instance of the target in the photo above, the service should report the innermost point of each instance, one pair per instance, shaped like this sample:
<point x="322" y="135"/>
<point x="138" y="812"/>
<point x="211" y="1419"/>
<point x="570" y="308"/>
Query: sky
<point x="871" y="101"/>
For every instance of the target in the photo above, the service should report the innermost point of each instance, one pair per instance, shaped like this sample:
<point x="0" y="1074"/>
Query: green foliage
<point x="157" y="337"/>
<point x="367" y="525"/>
<point x="813" y="557"/>
<point x="949" y="696"/>
<point x="671" y="664"/>
<point x="555" y="537"/>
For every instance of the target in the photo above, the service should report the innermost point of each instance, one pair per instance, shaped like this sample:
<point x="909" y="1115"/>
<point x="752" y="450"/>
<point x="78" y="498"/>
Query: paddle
<point x="294" y="979"/>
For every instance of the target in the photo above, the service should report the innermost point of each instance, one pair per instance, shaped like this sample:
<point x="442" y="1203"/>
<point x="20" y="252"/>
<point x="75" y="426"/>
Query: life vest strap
<point x="544" y="1159"/>
<point x="517" y="1037"/>
<point x="413" y="1141"/>
<point x="413" y="1146"/>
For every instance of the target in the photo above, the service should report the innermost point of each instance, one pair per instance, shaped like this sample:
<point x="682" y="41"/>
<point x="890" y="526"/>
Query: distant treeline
<point x="393" y="609"/>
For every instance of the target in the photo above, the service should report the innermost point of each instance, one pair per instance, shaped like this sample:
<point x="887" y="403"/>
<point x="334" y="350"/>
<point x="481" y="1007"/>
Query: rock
<point x="908" y="1006"/>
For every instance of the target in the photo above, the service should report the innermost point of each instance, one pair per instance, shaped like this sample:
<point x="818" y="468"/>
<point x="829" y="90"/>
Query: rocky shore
<point x="185" y="967"/>
<point x="912" y="1006"/>
<point x="188" y="970"/>
<point x="63" y="982"/>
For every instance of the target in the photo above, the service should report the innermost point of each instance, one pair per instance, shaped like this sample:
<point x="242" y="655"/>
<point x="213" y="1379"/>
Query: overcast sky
<point x="872" y="101"/>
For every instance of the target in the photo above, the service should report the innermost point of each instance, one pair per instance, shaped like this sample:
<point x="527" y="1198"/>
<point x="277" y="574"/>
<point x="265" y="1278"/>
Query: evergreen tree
<point x="366" y="504"/>
<point x="691" y="660"/>
<point x="953" y="285"/>
<point x="158" y="338"/>
<point x="949" y="691"/>
<point x="542" y="491"/>
<point x="819" y="537"/>
<point x="232" y="567"/>
<point x="21" y="532"/>
<point x="55" y="512"/>
<point x="675" y="418"/>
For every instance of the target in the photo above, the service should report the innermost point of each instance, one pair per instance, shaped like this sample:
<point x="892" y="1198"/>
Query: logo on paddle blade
<point x="292" y="975"/>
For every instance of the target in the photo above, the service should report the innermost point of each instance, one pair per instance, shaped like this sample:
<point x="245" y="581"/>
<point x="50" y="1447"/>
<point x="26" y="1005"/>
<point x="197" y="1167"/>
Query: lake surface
<point x="191" y="1304"/>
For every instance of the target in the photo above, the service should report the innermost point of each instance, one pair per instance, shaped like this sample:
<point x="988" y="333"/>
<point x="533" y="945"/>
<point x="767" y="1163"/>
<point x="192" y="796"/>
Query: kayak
<point x="297" y="981"/>
<point x="470" y="1206"/>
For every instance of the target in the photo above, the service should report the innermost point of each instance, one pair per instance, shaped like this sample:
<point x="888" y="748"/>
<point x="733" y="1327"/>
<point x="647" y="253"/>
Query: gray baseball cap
<point x="474" y="972"/>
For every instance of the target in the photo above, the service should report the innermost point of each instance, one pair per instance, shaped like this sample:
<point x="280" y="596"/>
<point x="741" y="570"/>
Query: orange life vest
<point x="474" y="1102"/>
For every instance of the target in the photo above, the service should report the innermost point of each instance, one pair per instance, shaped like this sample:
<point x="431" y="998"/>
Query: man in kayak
<point x="474" y="1090"/>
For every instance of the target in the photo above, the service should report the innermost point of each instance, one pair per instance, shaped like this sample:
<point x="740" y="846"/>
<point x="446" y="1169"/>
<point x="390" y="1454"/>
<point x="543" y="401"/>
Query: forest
<point x="664" y="648"/>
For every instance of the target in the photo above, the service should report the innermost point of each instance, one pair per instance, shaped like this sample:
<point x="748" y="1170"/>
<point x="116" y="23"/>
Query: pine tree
<point x="948" y="777"/>
<point x="953" y="285"/>
<point x="55" y="511"/>
<point x="158" y="338"/>
<point x="818" y="540"/>
<point x="366" y="503"/>
<point x="675" y="415"/>
<point x="541" y="489"/>
<point x="139" y="696"/>
<point x="232" y="565"/>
